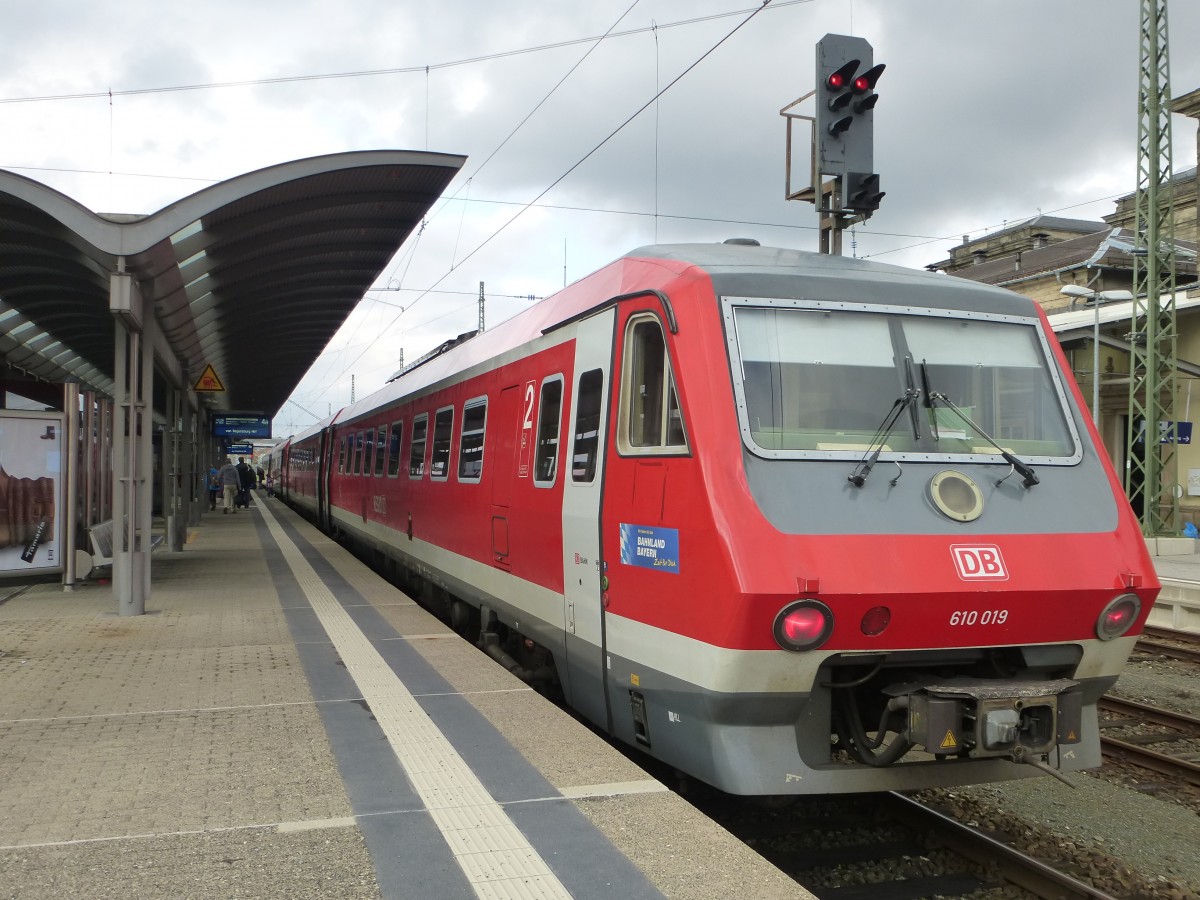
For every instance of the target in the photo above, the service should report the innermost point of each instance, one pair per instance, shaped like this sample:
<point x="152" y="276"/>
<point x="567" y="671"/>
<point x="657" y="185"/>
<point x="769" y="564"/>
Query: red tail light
<point x="803" y="625"/>
<point x="875" y="620"/>
<point x="1118" y="617"/>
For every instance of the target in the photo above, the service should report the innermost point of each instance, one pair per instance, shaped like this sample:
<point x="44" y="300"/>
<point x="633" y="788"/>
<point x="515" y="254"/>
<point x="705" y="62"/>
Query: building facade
<point x="1041" y="256"/>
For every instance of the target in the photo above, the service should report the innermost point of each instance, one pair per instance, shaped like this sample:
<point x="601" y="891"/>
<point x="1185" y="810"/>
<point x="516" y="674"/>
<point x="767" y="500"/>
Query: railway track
<point x="1170" y="643"/>
<point x="887" y="846"/>
<point x="1144" y="725"/>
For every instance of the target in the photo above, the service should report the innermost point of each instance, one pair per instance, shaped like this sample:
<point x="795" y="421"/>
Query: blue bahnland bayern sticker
<point x="649" y="547"/>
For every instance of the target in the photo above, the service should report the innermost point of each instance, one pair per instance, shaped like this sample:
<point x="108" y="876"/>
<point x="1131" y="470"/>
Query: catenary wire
<point x="575" y="166"/>
<point x="368" y="73"/>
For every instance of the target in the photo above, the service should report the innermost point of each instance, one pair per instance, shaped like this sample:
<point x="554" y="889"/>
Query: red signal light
<point x="868" y="79"/>
<point x="842" y="76"/>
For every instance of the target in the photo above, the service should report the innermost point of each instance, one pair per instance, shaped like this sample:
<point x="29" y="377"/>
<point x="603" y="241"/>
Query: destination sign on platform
<point x="241" y="426"/>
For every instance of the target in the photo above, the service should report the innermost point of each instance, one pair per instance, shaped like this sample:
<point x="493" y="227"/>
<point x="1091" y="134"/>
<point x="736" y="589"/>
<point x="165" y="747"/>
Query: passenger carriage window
<point x="380" y="444"/>
<point x="443" y="427"/>
<point x="470" y="444"/>
<point x="587" y="426"/>
<point x="651" y="418"/>
<point x="342" y="456"/>
<point x="545" y="464"/>
<point x="358" y="452"/>
<point x="394" y="448"/>
<point x="368" y="454"/>
<point x="416" y="450"/>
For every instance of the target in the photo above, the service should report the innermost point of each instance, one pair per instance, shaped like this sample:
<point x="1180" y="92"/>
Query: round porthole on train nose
<point x="956" y="496"/>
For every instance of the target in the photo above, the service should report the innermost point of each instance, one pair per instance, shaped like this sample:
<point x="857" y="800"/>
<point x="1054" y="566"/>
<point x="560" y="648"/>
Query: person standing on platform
<point x="230" y="484"/>
<point x="246" y="475"/>
<point x="214" y="486"/>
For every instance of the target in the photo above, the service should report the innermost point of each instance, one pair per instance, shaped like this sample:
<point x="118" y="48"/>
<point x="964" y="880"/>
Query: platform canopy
<point x="252" y="276"/>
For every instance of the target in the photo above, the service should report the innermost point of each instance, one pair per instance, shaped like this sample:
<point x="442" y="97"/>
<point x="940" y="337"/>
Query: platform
<point x="284" y="723"/>
<point x="1178" y="567"/>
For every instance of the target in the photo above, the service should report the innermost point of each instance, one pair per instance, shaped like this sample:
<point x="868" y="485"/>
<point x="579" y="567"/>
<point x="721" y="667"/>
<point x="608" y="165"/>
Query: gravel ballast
<point x="1106" y="827"/>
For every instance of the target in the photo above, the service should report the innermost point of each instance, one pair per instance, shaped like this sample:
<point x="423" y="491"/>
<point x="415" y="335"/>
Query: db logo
<point x="977" y="561"/>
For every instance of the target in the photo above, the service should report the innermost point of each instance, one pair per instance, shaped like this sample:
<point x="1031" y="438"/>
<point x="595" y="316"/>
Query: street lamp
<point x="1079" y="292"/>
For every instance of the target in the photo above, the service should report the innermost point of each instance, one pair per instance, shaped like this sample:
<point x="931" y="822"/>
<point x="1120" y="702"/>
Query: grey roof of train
<point x="253" y="275"/>
<point x="916" y="286"/>
<point x="837" y="278"/>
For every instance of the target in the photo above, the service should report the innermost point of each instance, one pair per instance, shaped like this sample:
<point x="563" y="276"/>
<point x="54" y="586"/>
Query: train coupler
<point x="982" y="718"/>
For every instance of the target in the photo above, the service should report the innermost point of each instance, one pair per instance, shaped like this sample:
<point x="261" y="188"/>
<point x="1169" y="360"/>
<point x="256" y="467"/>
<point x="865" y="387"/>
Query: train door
<point x="508" y="426"/>
<point x="582" y="488"/>
<point x="324" y="479"/>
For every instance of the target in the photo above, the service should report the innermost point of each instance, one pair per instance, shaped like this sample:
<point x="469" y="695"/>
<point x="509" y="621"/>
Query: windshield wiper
<point x="1029" y="479"/>
<point x="907" y="400"/>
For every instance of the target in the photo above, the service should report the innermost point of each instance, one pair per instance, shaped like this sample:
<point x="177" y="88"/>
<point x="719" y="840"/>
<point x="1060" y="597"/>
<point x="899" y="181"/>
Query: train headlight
<point x="803" y="625"/>
<point x="1118" y="617"/>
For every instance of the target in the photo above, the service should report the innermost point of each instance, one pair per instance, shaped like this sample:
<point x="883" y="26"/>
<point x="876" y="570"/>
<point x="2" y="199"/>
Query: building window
<point x="545" y="464"/>
<point x="443" y="427"/>
<point x="586" y="444"/>
<point x="416" y="450"/>
<point x="470" y="444"/>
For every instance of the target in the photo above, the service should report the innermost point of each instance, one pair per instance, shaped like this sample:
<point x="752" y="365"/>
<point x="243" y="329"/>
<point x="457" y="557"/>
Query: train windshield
<point x="822" y="380"/>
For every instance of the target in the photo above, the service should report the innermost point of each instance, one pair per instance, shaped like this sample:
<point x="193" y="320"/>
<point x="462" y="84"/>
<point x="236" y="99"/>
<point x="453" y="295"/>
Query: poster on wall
<point x="31" y="492"/>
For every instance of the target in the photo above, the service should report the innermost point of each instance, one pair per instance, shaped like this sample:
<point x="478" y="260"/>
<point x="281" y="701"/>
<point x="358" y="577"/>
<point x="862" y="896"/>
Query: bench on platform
<point x="101" y="537"/>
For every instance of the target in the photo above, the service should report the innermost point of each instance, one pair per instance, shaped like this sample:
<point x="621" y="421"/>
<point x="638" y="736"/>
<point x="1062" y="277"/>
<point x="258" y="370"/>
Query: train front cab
<point x="706" y="544"/>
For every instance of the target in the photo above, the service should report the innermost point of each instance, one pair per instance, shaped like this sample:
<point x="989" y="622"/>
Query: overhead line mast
<point x="1151" y="467"/>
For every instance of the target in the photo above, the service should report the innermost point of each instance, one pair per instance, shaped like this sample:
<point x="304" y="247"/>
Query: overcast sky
<point x="990" y="111"/>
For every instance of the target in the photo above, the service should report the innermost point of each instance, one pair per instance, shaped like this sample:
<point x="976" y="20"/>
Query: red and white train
<point x="789" y="522"/>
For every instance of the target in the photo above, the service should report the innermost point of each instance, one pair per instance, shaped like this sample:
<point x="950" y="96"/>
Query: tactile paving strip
<point x="494" y="855"/>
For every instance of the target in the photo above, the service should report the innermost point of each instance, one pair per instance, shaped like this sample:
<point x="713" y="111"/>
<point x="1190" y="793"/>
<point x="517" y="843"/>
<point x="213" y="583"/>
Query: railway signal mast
<point x="843" y="143"/>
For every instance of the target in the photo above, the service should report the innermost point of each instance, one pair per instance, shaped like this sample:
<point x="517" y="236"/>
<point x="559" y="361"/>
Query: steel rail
<point x="1143" y="756"/>
<point x="1015" y="866"/>
<point x="1151" y="641"/>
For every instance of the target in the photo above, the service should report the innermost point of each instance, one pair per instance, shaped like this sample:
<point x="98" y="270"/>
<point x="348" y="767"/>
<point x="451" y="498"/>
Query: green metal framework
<point x="1151" y="464"/>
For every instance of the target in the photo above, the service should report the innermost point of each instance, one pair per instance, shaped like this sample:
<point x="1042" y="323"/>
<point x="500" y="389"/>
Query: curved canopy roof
<point x="252" y="276"/>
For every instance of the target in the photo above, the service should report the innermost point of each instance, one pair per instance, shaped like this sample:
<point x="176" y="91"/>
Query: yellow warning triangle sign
<point x="948" y="742"/>
<point x="208" y="380"/>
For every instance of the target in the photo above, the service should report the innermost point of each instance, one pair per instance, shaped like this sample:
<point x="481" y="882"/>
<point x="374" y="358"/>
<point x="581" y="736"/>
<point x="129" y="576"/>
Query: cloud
<point x="989" y="111"/>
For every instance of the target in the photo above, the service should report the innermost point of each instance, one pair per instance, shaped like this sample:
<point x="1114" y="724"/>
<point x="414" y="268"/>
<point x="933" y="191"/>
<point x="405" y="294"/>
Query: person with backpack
<point x="214" y="486"/>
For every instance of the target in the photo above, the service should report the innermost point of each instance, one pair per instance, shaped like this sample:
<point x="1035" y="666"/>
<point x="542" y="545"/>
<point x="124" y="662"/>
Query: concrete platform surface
<point x="284" y="723"/>
<point x="1178" y="604"/>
